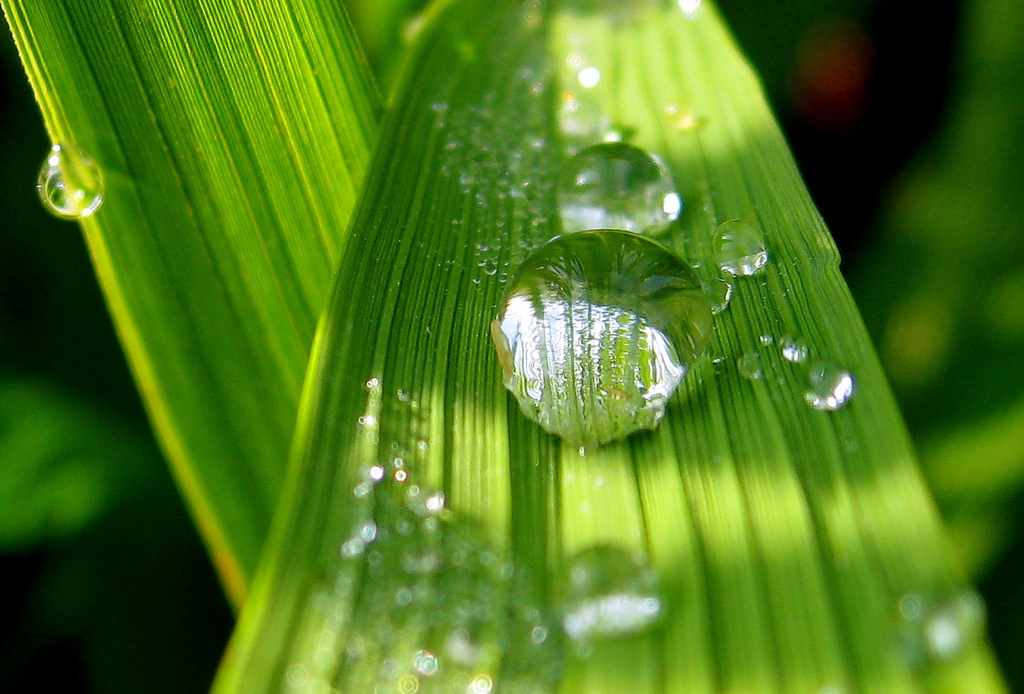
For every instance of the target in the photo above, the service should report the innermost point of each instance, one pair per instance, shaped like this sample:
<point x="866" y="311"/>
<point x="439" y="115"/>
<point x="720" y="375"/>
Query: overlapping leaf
<point x="232" y="138"/>
<point x="797" y="549"/>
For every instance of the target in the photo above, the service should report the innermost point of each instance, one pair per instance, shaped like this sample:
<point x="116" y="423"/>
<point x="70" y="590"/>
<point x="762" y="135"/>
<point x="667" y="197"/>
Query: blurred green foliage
<point x="110" y="575"/>
<point x="106" y="578"/>
<point x="942" y="286"/>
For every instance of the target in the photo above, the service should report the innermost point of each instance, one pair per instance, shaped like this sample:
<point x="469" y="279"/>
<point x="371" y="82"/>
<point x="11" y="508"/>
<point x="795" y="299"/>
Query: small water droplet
<point x="426" y="663"/>
<point x="739" y="248"/>
<point x="681" y="117"/>
<point x="423" y="501"/>
<point x="749" y="366"/>
<point x="690" y="8"/>
<point x="421" y="561"/>
<point x="367" y="531"/>
<point x="607" y="592"/>
<point x="614" y="185"/>
<point x="297" y="676"/>
<point x="352" y="547"/>
<point x="597" y="331"/>
<point x="939" y="628"/>
<point x="589" y="77"/>
<point x="403" y="597"/>
<point x="794" y="350"/>
<point x="719" y="291"/>
<point x="69" y="183"/>
<point x="767" y="340"/>
<point x="481" y="684"/>
<point x="830" y="387"/>
<point x="388" y="669"/>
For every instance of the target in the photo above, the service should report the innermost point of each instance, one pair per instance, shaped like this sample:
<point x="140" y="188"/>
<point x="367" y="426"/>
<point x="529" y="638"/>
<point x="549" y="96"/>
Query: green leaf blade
<point x="232" y="140"/>
<point x="784" y="537"/>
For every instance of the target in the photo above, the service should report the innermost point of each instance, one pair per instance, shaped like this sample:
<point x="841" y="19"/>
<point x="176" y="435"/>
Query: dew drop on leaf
<point x="739" y="248"/>
<point x="749" y="366"/>
<point x="938" y="628"/>
<point x="719" y="291"/>
<point x="608" y="592"/>
<point x="69" y="183"/>
<point x="793" y="349"/>
<point x="597" y="330"/>
<point x="424" y="501"/>
<point x="438" y="608"/>
<point x="830" y="387"/>
<point x="614" y="185"/>
<point x="426" y="663"/>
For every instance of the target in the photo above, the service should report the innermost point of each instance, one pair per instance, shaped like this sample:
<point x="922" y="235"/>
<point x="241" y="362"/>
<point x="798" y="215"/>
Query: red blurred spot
<point x="833" y="71"/>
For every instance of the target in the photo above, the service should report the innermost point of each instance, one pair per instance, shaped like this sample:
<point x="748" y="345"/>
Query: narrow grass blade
<point x="232" y="138"/>
<point x="431" y="535"/>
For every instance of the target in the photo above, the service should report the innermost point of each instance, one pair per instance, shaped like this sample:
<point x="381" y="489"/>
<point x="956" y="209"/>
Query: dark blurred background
<point x="904" y="119"/>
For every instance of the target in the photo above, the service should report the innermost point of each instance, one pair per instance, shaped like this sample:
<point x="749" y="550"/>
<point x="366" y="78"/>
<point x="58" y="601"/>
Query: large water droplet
<point x="739" y="248"/>
<point x="597" y="331"/>
<point x="830" y="387"/>
<point x="69" y="183"/>
<point x="939" y="628"/>
<point x="607" y="592"/>
<point x="614" y="185"/>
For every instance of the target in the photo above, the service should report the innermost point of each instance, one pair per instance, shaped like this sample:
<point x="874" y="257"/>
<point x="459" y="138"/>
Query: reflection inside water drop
<point x="69" y="182"/>
<point x="719" y="292"/>
<point x="597" y="331"/>
<point x="794" y="350"/>
<point x="830" y="387"/>
<point x="614" y="185"/>
<point x="739" y="248"/>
